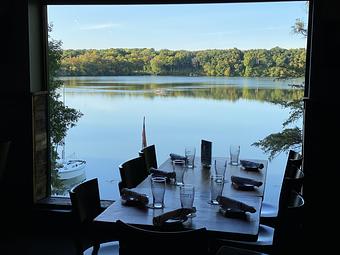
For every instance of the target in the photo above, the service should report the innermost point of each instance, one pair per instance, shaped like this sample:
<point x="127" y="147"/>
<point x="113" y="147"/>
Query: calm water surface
<point x="179" y="111"/>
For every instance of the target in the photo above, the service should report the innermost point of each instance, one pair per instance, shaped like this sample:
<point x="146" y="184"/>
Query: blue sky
<point x="188" y="27"/>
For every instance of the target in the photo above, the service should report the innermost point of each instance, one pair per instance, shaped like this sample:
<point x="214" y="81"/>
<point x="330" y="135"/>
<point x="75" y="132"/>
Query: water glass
<point x="158" y="191"/>
<point x="187" y="194"/>
<point x="190" y="153"/>
<point x="234" y="154"/>
<point x="179" y="168"/>
<point x="220" y="166"/>
<point x="216" y="188"/>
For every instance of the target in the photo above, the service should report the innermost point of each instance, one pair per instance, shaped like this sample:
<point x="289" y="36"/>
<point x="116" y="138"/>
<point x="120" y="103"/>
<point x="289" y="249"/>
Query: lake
<point x="179" y="111"/>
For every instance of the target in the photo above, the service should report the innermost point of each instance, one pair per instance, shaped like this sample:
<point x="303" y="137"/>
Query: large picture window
<point x="230" y="73"/>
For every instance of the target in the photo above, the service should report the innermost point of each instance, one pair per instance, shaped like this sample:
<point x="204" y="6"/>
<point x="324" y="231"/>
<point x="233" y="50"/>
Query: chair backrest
<point x="85" y="201"/>
<point x="4" y="149"/>
<point x="294" y="163"/>
<point x="290" y="199"/>
<point x="228" y="250"/>
<point x="289" y="219"/>
<point x="294" y="176"/>
<point x="134" y="240"/>
<point x="294" y="155"/>
<point x="132" y="173"/>
<point x="149" y="155"/>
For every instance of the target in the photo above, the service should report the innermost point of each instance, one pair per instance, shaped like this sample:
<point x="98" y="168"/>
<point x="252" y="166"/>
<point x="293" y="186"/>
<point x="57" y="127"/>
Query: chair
<point x="135" y="240"/>
<point x="293" y="173"/>
<point x="227" y="250"/>
<point x="132" y="173"/>
<point x="149" y="155"/>
<point x="86" y="206"/>
<point x="293" y="178"/>
<point x="293" y="165"/>
<point x="286" y="234"/>
<point x="4" y="149"/>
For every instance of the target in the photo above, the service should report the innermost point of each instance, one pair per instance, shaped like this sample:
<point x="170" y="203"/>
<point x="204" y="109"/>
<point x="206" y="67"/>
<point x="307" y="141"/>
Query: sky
<point x="178" y="27"/>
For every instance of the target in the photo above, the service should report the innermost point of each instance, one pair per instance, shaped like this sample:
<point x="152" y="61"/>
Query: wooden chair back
<point x="135" y="240"/>
<point x="294" y="163"/>
<point x="132" y="173"/>
<point x="85" y="201"/>
<point x="293" y="180"/>
<point x="228" y="250"/>
<point x="294" y="176"/>
<point x="290" y="216"/>
<point x="86" y="206"/>
<point x="149" y="155"/>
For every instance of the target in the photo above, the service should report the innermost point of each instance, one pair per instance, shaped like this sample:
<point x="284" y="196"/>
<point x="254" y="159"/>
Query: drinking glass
<point x="179" y="168"/>
<point x="190" y="153"/>
<point x="220" y="166"/>
<point x="187" y="194"/>
<point x="216" y="188"/>
<point x="234" y="154"/>
<point x="158" y="191"/>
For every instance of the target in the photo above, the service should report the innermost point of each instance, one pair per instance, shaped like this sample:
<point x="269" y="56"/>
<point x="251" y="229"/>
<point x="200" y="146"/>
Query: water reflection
<point x="228" y="91"/>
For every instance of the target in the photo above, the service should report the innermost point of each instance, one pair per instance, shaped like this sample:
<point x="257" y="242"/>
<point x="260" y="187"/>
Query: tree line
<point x="275" y="62"/>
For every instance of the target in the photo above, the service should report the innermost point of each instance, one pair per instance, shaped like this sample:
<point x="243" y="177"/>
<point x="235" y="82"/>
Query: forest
<point x="276" y="62"/>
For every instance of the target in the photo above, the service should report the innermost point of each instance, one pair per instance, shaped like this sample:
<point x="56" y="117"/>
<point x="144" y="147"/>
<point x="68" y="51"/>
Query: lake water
<point x="179" y="111"/>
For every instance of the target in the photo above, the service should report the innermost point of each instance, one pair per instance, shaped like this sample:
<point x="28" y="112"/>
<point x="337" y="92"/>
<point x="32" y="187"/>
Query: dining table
<point x="207" y="215"/>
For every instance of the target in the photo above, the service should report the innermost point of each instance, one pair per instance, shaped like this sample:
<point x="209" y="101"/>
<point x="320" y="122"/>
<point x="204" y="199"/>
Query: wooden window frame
<point x="64" y="202"/>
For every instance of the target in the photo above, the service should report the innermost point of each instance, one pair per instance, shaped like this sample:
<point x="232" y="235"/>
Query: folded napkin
<point x="228" y="203"/>
<point x="158" y="172"/>
<point x="245" y="181"/>
<point x="174" y="156"/>
<point x="233" y="213"/>
<point x="178" y="214"/>
<point x="250" y="165"/>
<point x="133" y="198"/>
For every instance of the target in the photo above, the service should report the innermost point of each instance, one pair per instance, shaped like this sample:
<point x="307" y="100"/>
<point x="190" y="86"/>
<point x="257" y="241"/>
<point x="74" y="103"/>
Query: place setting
<point x="160" y="173"/>
<point x="229" y="207"/>
<point x="248" y="165"/>
<point x="134" y="199"/>
<point x="140" y="200"/>
<point x="232" y="208"/>
<point x="188" y="158"/>
<point x="174" y="217"/>
<point x="182" y="214"/>
<point x="245" y="184"/>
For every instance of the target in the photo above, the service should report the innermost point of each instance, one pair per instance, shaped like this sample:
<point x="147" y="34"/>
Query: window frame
<point x="64" y="202"/>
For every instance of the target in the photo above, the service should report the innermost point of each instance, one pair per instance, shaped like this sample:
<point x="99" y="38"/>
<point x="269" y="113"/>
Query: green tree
<point x="61" y="117"/>
<point x="289" y="137"/>
<point x="299" y="28"/>
<point x="276" y="62"/>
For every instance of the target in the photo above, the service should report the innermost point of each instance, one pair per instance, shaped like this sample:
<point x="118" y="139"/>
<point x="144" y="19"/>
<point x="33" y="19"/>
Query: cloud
<point x="100" y="26"/>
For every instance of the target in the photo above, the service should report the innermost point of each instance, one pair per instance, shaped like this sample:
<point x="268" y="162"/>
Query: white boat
<point x="71" y="168"/>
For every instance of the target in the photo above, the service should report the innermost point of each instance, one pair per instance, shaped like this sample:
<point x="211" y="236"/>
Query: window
<point x="211" y="75"/>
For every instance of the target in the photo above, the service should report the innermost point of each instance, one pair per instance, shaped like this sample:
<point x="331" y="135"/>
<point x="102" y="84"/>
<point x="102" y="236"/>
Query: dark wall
<point x="321" y="128"/>
<point x="15" y="111"/>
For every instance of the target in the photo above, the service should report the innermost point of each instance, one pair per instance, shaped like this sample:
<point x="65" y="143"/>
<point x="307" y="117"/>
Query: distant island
<point x="276" y="62"/>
